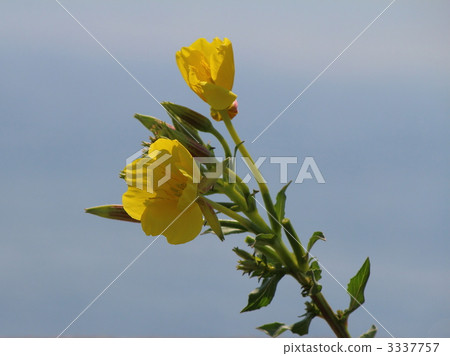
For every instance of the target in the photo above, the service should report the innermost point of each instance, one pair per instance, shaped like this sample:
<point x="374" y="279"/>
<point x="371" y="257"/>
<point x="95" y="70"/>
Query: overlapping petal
<point x="162" y="194"/>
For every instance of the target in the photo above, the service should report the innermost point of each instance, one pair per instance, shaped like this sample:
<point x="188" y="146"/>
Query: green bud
<point x="243" y="254"/>
<point x="153" y="124"/>
<point x="116" y="212"/>
<point x="162" y="129"/>
<point x="188" y="116"/>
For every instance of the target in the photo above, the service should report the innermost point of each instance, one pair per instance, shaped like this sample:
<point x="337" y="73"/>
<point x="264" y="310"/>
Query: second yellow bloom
<point x="208" y="69"/>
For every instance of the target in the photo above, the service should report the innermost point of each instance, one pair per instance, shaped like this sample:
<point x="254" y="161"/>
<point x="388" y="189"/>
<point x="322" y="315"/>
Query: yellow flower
<point x="208" y="69"/>
<point x="162" y="194"/>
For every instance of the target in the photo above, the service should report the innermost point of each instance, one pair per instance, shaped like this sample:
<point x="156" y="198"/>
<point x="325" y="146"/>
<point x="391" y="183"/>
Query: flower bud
<point x="188" y="116"/>
<point x="162" y="129"/>
<point x="116" y="212"/>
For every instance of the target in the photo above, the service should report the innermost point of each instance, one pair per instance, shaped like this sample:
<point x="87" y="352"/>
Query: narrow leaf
<point x="225" y="231"/>
<point x="263" y="295"/>
<point x="315" y="237"/>
<point x="228" y="227"/>
<point x="274" y="329"/>
<point x="211" y="217"/>
<point x="371" y="332"/>
<point x="356" y="287"/>
<point x="281" y="202"/>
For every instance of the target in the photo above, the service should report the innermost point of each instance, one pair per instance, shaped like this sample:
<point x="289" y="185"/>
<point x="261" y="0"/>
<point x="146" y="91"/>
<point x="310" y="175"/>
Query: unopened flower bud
<point x="116" y="212"/>
<point x="188" y="116"/>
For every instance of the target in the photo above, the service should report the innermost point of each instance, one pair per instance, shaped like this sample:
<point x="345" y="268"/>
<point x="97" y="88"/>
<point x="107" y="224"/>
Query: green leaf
<point x="316" y="270"/>
<point x="229" y="205"/>
<point x="371" y="332"/>
<point x="228" y="227"/>
<point x="274" y="329"/>
<point x="315" y="237"/>
<point x="263" y="295"/>
<point x="281" y="202"/>
<point x="211" y="217"/>
<point x="356" y="287"/>
<point x="225" y="231"/>
<point x="315" y="273"/>
<point x="302" y="327"/>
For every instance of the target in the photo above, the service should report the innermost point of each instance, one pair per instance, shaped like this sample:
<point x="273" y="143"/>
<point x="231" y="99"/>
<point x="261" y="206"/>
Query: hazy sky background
<point x="376" y="123"/>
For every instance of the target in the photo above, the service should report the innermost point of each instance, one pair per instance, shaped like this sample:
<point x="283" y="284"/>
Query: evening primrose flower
<point x="208" y="69"/>
<point x="162" y="194"/>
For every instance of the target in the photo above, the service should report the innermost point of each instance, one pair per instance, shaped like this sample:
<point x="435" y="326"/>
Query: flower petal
<point x="217" y="97"/>
<point x="133" y="201"/>
<point x="178" y="226"/>
<point x="202" y="45"/>
<point x="222" y="63"/>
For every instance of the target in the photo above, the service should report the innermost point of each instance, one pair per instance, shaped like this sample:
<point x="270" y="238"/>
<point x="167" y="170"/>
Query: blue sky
<point x="376" y="124"/>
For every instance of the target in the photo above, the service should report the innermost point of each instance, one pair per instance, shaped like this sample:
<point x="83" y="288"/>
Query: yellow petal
<point x="188" y="196"/>
<point x="182" y="66"/>
<point x="189" y="60"/>
<point x="222" y="64"/>
<point x="133" y="201"/>
<point x="203" y="46"/>
<point x="178" y="226"/>
<point x="217" y="97"/>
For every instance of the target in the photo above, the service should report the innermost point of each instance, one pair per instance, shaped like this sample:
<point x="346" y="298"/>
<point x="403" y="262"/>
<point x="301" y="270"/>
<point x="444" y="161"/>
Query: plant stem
<point x="338" y="326"/>
<point x="255" y="171"/>
<point x="296" y="245"/>
<point x="252" y="227"/>
<point x="330" y="317"/>
<point x="222" y="141"/>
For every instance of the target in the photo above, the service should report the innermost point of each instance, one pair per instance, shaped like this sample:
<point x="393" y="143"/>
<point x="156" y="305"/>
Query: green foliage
<point x="263" y="295"/>
<point x="281" y="202"/>
<point x="370" y="333"/>
<point x="314" y="238"/>
<point x="228" y="227"/>
<point x="300" y="328"/>
<point x="356" y="287"/>
<point x="211" y="218"/>
<point x="274" y="329"/>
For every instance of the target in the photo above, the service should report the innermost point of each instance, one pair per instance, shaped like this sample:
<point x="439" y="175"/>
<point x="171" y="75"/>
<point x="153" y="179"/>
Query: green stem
<point x="251" y="226"/>
<point x="222" y="141"/>
<point x="255" y="171"/>
<point x="287" y="258"/>
<point x="230" y="191"/>
<point x="295" y="243"/>
<point x="238" y="181"/>
<point x="339" y="328"/>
